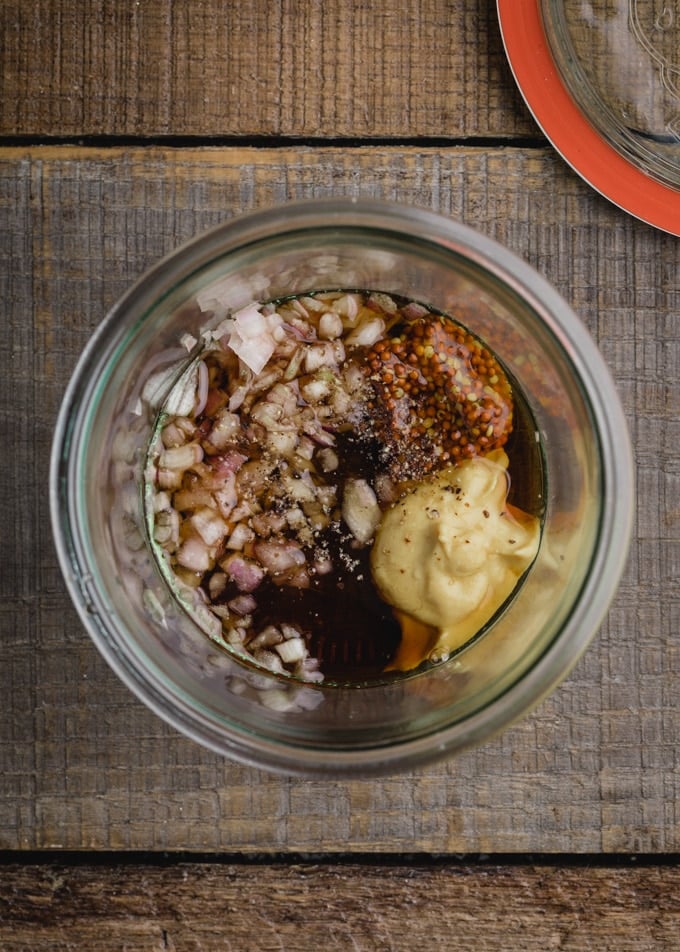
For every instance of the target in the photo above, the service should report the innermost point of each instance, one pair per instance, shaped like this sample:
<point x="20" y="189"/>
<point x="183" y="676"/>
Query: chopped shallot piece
<point x="360" y="510"/>
<point x="412" y="311"/>
<point x="291" y="650"/>
<point x="173" y="435"/>
<point x="367" y="333"/>
<point x="267" y="523"/>
<point x="328" y="459"/>
<point x="181" y="457"/>
<point x="225" y="429"/>
<point x="236" y="636"/>
<point x="296" y="579"/>
<point x="245" y="573"/>
<point x="308" y="670"/>
<point x="237" y="397"/>
<point x="193" y="499"/>
<point x="338" y="349"/>
<point x="166" y="527"/>
<point x="326" y="496"/>
<point x="386" y="490"/>
<point x="243" y="604"/>
<point x="195" y="555"/>
<point x="299" y="489"/>
<point x="270" y="661"/>
<point x="267" y="638"/>
<point x="279" y="557"/>
<point x="293" y="367"/>
<point x="162" y="501"/>
<point x="341" y="403"/>
<point x="319" y="355"/>
<point x="382" y="302"/>
<point x="298" y="306"/>
<point x="315" y="388"/>
<point x="318" y="434"/>
<point x="187" y="426"/>
<point x="251" y="338"/>
<point x="188" y="341"/>
<point x="267" y="414"/>
<point x="348" y="307"/>
<point x="283" y="443"/>
<point x="217" y="584"/>
<point x="265" y="380"/>
<point x="169" y="478"/>
<point x="209" y="525"/>
<point x="312" y="304"/>
<point x="353" y="377"/>
<point x="330" y="326"/>
<point x="226" y="497"/>
<point x="300" y="329"/>
<point x="305" y="448"/>
<point x="240" y="536"/>
<point x="286" y="395"/>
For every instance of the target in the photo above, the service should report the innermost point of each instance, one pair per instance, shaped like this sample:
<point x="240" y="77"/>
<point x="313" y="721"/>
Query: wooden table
<point x="128" y="126"/>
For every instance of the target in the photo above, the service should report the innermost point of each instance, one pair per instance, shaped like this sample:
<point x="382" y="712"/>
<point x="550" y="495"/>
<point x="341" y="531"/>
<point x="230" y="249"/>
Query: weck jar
<point x="164" y="652"/>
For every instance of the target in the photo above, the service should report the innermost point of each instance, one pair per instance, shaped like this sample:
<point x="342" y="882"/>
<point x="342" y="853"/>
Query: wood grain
<point x="349" y="906"/>
<point x="84" y="765"/>
<point x="288" y="68"/>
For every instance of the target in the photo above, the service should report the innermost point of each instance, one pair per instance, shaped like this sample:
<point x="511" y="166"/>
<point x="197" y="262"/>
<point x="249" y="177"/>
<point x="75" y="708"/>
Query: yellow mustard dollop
<point x="447" y="555"/>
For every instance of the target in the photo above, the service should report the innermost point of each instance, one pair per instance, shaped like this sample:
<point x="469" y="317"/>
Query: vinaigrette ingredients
<point x="291" y="455"/>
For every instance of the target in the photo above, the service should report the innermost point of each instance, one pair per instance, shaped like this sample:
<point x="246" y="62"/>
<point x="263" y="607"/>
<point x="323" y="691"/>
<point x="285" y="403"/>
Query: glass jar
<point x="274" y="721"/>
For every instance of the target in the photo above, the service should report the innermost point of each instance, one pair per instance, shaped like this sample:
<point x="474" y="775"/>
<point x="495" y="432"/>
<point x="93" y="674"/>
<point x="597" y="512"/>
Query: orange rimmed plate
<point x="570" y="131"/>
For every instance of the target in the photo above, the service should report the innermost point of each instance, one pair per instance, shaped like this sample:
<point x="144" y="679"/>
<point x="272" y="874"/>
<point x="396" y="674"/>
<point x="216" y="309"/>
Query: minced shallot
<point x="247" y="460"/>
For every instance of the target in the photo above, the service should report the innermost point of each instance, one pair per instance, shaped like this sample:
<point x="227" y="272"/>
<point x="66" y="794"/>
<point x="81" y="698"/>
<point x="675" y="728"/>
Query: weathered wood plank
<point x="358" y="906"/>
<point x="294" y="67"/>
<point x="84" y="765"/>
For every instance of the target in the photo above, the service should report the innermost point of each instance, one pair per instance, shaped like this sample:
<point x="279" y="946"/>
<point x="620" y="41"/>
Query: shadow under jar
<point x="172" y="653"/>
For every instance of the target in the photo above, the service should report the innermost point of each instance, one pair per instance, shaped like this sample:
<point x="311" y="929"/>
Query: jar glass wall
<point x="161" y="652"/>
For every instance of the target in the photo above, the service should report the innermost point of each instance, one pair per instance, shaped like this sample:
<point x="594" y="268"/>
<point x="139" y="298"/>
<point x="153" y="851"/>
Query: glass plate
<point x="602" y="79"/>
